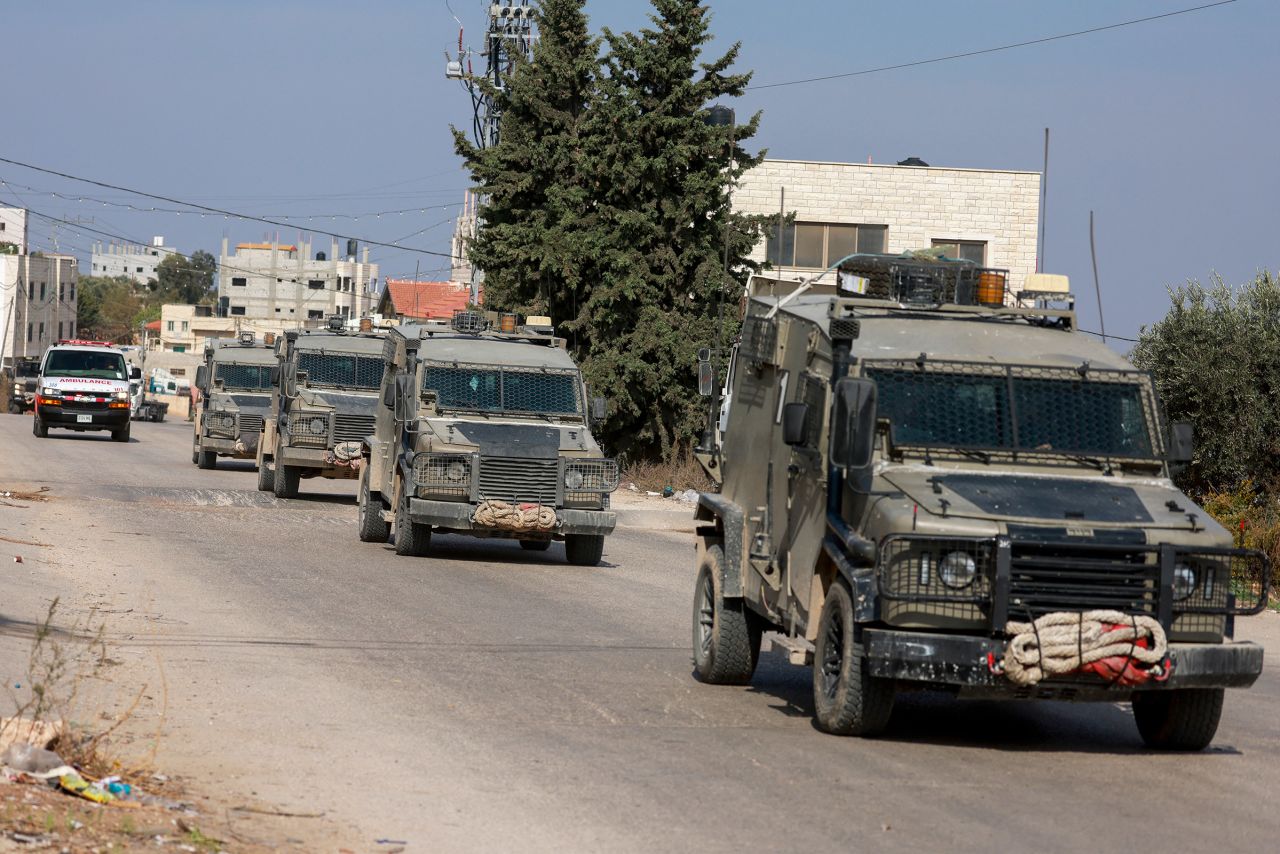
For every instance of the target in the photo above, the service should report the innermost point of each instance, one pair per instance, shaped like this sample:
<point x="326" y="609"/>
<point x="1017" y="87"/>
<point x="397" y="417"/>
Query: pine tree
<point x="531" y="182"/>
<point x="661" y="178"/>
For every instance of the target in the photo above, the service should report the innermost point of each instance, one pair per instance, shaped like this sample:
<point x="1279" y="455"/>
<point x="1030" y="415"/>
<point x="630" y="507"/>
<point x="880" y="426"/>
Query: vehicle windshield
<point x="997" y="409"/>
<point x="103" y="365"/>
<point x="518" y="390"/>
<point x="254" y="377"/>
<point x="341" y="370"/>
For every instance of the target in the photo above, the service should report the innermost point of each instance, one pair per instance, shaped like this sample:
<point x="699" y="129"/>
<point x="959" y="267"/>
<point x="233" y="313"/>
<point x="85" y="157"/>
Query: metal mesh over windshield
<point x="243" y="376"/>
<point x="487" y="389"/>
<point x="1028" y="409"/>
<point x="336" y="369"/>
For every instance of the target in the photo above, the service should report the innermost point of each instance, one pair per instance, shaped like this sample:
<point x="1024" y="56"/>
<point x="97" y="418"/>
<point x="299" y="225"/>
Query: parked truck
<point x="927" y="481"/>
<point x="21" y="382"/>
<point x="324" y="393"/>
<point x="484" y="429"/>
<point x="235" y="396"/>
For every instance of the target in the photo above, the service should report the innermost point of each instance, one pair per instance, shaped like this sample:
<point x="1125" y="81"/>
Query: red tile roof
<point x="154" y="326"/>
<point x="424" y="300"/>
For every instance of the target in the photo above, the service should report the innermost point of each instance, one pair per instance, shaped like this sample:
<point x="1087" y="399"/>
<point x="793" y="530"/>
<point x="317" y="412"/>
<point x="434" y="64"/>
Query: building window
<point x="71" y="329"/>
<point x="139" y="269"/>
<point x="169" y="325"/>
<point x="239" y="282"/>
<point x="818" y="245"/>
<point x="41" y="331"/>
<point x="73" y="291"/>
<point x="31" y="291"/>
<point x="316" y="284"/>
<point x="967" y="250"/>
<point x="185" y="326"/>
<point x="237" y="309"/>
<point x="29" y="328"/>
<point x="277" y="311"/>
<point x="59" y="330"/>
<point x="62" y="290"/>
<point x="179" y="348"/>
<point x="315" y="314"/>
<point x="42" y="290"/>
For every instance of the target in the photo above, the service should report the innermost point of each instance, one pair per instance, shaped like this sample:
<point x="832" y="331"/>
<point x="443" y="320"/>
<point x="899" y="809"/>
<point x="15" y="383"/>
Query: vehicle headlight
<point x="122" y="395"/>
<point x="318" y="425"/>
<point x="957" y="570"/>
<point x="50" y="391"/>
<point x="573" y="479"/>
<point x="1184" y="581"/>
<point x="456" y="471"/>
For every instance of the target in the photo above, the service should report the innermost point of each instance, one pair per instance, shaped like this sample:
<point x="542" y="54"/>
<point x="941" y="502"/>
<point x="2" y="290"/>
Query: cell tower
<point x="510" y="36"/>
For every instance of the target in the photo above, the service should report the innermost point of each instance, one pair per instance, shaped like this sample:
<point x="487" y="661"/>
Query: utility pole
<point x="509" y="36"/>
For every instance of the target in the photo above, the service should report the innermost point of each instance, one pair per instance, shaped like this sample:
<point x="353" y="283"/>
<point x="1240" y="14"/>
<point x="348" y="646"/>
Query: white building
<point x="13" y="228"/>
<point x="990" y="216"/>
<point x="37" y="302"/>
<point x="286" y="283"/>
<point x="128" y="259"/>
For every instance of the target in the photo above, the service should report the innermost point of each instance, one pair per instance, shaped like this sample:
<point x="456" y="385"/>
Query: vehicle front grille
<point x="84" y="406"/>
<point x="1057" y="577"/>
<point x="352" y="428"/>
<point x="250" y="423"/>
<point x="519" y="480"/>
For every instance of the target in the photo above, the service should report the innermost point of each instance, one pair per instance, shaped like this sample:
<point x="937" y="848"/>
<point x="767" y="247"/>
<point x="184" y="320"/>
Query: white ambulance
<point x="83" y="385"/>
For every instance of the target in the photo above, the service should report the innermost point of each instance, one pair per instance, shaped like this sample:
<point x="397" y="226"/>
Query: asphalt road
<point x="486" y="698"/>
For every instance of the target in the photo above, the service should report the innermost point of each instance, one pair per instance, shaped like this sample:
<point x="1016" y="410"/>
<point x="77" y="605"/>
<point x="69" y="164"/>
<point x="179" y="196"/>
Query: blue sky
<point x="1166" y="130"/>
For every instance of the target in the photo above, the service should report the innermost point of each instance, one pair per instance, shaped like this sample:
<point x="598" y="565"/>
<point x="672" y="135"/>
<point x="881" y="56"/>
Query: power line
<point x="218" y="211"/>
<point x="970" y="53"/>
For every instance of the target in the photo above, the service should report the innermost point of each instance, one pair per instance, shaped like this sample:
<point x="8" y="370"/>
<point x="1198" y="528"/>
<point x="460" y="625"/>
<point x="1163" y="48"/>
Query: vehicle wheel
<point x="208" y="460"/>
<point x="373" y="528"/>
<point x="535" y="545"/>
<point x="847" y="700"/>
<point x="726" y="636"/>
<point x="39" y="428"/>
<point x="1181" y="719"/>
<point x="285" y="482"/>
<point x="266" y="477"/>
<point x="584" y="549"/>
<point x="15" y="408"/>
<point x="412" y="539"/>
<point x="121" y="434"/>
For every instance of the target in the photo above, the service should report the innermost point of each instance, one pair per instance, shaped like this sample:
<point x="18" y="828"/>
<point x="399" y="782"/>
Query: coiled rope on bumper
<point x="1128" y="649"/>
<point x="512" y="517"/>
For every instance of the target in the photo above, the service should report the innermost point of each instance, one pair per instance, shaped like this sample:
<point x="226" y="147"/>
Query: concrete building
<point x="186" y="328"/>
<point x="288" y="284"/>
<point x="37" y="302"/>
<point x="464" y="231"/>
<point x="13" y="229"/>
<point x="990" y="216"/>
<point x="128" y="259"/>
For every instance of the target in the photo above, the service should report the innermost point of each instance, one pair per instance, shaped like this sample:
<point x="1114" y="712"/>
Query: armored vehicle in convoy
<point x="234" y="399"/>
<point x="929" y="482"/>
<point x="83" y="385"/>
<point x="483" y="429"/>
<point x="325" y="387"/>
<point x="21" y="382"/>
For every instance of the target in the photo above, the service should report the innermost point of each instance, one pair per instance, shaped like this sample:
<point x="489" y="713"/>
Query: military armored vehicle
<point x="484" y="430"/>
<point x="234" y="399"/>
<point x="929" y="482"/>
<point x="325" y="388"/>
<point x="20" y="380"/>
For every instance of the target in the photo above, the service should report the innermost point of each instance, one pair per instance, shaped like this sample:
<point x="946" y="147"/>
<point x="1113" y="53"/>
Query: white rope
<point x="1063" y="642"/>
<point x="511" y="517"/>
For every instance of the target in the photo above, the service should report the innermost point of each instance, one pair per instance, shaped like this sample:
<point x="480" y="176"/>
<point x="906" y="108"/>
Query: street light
<point x="720" y="116"/>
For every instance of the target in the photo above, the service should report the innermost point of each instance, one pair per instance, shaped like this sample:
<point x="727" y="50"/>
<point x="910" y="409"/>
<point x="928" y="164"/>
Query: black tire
<point x="195" y="456"/>
<point x="1182" y="719"/>
<point x="373" y="528"/>
<point x="726" y="636"/>
<point x="121" y="434"/>
<point x="535" y="545"/>
<point x="208" y="460"/>
<point x="847" y="700"/>
<point x="285" y="482"/>
<point x="412" y="539"/>
<point x="584" y="549"/>
<point x="266" y="477"/>
<point x="39" y="428"/>
<point x="15" y="408"/>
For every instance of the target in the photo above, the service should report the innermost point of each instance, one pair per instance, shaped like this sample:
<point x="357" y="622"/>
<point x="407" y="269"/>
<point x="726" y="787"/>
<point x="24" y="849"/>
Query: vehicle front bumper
<point x="456" y="516"/>
<point x="316" y="458"/>
<point x="244" y="448"/>
<point x="67" y="416"/>
<point x="966" y="662"/>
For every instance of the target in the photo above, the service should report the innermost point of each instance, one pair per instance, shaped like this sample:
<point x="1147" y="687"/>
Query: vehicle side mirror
<point x="202" y="377"/>
<point x="1181" y="442"/>
<point x="794" y="416"/>
<point x="135" y="373"/>
<point x="599" y="409"/>
<point x="853" y="429"/>
<point x="275" y="375"/>
<point x="706" y="378"/>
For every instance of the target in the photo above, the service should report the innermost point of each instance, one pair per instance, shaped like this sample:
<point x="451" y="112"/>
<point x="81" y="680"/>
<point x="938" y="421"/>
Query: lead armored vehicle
<point x="325" y="388"/>
<point x="486" y="433"/>
<point x="929" y="482"/>
<point x="234" y="399"/>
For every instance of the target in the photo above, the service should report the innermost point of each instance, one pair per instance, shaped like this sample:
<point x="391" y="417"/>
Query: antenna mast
<point x="509" y="37"/>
